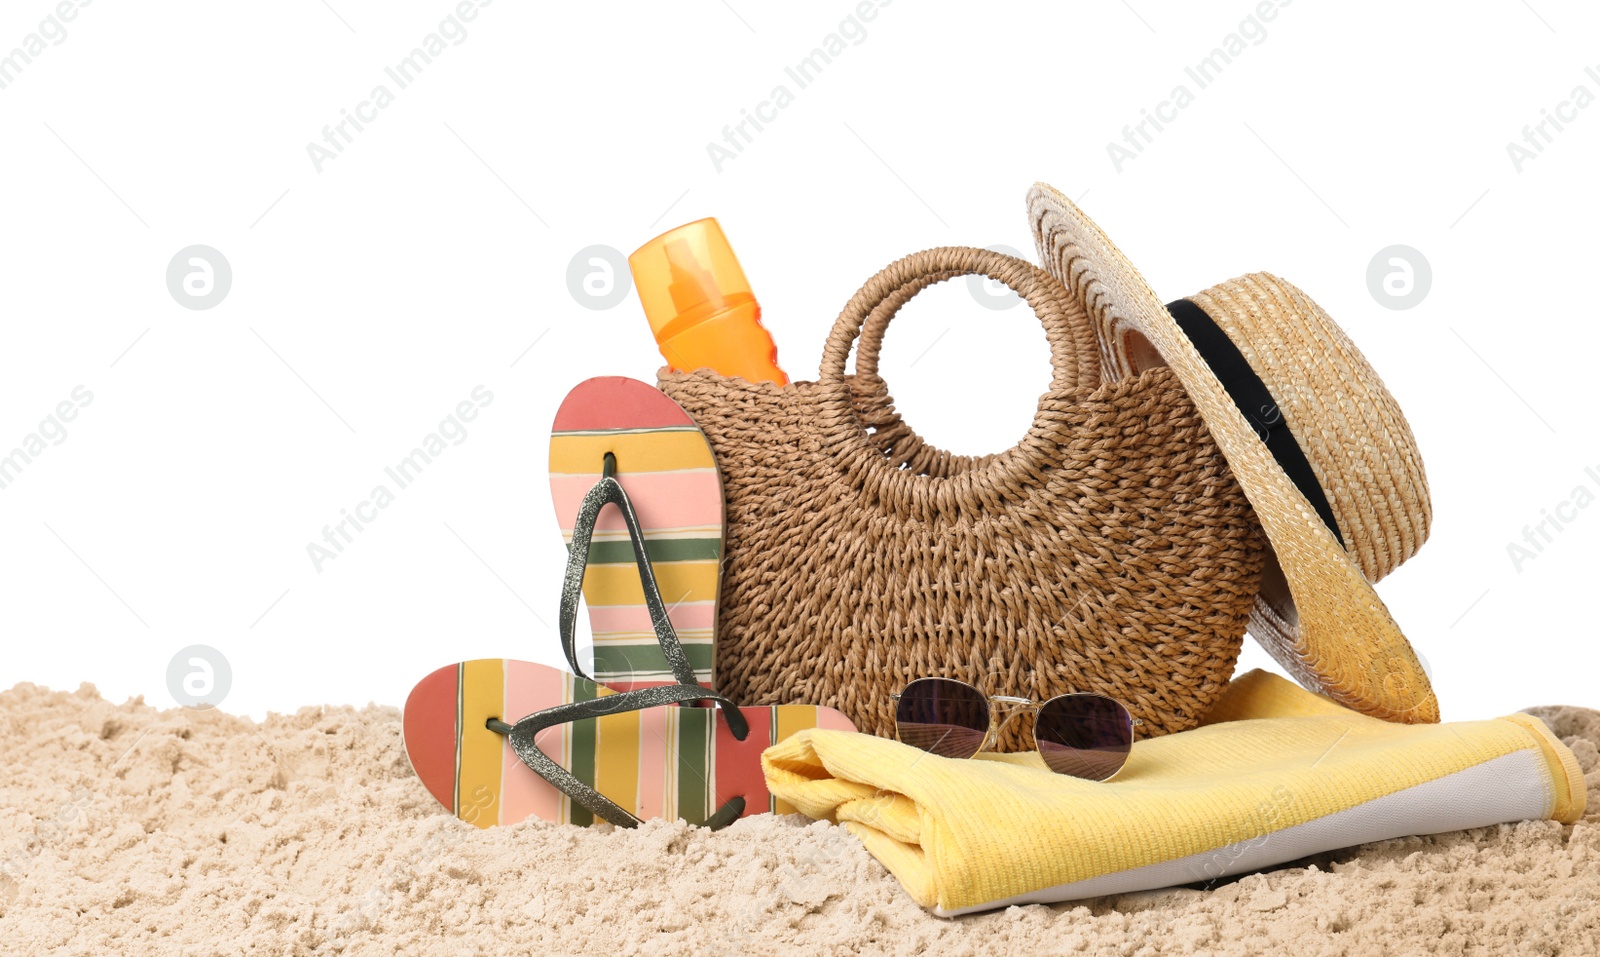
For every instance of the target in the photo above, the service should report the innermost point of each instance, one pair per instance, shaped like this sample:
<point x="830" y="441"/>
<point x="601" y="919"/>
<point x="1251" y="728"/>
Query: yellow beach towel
<point x="1276" y="773"/>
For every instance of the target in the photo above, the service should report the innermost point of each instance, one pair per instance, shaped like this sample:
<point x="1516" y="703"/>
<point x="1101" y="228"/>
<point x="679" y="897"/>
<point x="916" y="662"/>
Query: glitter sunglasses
<point x="1082" y="735"/>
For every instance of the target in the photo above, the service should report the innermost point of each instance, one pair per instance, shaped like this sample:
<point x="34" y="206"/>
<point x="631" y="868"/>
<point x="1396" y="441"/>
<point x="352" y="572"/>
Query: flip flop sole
<point x="670" y="474"/>
<point x="669" y="761"/>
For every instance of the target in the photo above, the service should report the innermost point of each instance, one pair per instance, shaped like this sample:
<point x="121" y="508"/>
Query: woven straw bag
<point x="1110" y="550"/>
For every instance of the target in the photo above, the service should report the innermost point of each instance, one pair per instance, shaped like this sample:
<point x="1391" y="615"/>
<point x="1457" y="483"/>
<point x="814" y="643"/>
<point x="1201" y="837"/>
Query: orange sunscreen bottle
<point x="700" y="306"/>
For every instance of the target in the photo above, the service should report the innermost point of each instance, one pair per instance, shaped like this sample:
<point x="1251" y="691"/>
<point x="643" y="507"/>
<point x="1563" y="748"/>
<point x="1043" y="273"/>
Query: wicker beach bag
<point x="1109" y="550"/>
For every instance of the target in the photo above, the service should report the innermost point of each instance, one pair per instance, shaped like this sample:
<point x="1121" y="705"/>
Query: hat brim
<point x="1335" y="636"/>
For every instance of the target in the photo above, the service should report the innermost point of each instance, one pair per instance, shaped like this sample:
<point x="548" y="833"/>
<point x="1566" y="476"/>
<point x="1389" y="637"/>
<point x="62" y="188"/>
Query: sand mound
<point x="128" y="830"/>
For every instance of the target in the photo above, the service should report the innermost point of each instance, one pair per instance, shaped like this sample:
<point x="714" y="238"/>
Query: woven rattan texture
<point x="1109" y="551"/>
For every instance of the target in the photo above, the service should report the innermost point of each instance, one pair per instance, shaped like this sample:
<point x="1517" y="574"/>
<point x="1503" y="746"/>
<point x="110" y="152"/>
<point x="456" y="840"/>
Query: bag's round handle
<point x="1074" y="353"/>
<point x="869" y="345"/>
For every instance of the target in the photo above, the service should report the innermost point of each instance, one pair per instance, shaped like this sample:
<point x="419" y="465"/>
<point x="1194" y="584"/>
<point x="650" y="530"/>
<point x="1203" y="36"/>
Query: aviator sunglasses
<point x="1082" y="735"/>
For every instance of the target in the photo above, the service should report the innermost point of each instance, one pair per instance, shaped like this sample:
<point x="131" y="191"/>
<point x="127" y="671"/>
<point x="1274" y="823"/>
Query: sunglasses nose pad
<point x="1008" y="734"/>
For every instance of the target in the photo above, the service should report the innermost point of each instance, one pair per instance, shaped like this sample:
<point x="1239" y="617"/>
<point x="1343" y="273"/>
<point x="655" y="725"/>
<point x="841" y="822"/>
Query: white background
<point x="369" y="298"/>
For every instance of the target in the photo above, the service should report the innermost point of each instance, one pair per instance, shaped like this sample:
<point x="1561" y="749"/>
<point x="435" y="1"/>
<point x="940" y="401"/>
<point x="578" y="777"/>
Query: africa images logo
<point x="1553" y="521"/>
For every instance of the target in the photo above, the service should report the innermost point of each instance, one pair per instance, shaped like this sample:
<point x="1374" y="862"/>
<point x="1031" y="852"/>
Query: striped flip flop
<point x="582" y="751"/>
<point x="663" y="761"/>
<point x="662" y="459"/>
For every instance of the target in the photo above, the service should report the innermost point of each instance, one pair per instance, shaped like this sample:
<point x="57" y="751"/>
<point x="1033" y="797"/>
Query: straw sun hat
<point x="1315" y="440"/>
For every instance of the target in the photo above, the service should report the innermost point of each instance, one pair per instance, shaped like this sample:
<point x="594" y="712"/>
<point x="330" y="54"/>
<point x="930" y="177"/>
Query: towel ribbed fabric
<point x="1276" y="773"/>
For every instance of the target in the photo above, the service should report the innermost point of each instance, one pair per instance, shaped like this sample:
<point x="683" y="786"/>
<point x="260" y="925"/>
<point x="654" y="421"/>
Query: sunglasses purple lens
<point x="1084" y="735"/>
<point x="942" y="717"/>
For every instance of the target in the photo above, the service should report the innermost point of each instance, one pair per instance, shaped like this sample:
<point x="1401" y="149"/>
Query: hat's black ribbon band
<point x="1252" y="397"/>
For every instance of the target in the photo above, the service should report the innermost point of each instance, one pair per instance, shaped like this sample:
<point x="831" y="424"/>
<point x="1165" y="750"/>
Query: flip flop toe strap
<point x="523" y="733"/>
<point x="608" y="491"/>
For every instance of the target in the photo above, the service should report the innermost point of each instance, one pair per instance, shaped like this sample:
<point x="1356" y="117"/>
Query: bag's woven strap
<point x="852" y="405"/>
<point x="1074" y="351"/>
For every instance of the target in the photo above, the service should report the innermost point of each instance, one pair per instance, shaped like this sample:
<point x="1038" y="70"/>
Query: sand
<point x="129" y="830"/>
